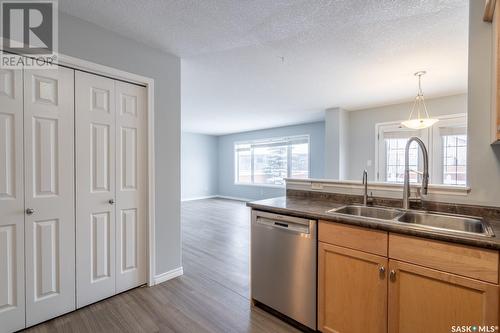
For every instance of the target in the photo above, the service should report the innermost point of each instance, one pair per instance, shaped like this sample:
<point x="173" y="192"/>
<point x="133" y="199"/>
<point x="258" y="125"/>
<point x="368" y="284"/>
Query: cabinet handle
<point x="111" y="201"/>
<point x="30" y="211"/>
<point x="381" y="270"/>
<point x="392" y="275"/>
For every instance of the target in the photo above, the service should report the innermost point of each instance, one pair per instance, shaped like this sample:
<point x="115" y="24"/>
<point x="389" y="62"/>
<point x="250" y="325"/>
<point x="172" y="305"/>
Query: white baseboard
<point x="218" y="196"/>
<point x="159" y="278"/>
<point x="199" y="198"/>
<point x="234" y="198"/>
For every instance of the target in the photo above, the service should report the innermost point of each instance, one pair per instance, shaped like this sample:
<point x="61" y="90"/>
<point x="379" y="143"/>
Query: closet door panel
<point x="12" y="297"/>
<point x="131" y="176"/>
<point x="95" y="169"/>
<point x="49" y="176"/>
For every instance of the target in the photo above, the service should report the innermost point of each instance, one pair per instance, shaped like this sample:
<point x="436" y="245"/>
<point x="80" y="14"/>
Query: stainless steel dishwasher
<point x="283" y="265"/>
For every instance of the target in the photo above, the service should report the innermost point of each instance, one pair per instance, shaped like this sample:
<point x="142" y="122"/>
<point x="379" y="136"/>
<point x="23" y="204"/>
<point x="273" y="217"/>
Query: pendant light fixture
<point x="422" y="120"/>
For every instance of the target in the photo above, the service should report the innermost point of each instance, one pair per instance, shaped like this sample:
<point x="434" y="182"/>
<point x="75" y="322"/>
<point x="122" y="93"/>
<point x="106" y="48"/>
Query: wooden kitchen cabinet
<point x="373" y="281"/>
<point x="427" y="300"/>
<point x="352" y="290"/>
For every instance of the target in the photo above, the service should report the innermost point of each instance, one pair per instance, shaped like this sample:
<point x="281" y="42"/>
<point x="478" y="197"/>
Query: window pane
<point x="300" y="161"/>
<point x="454" y="159"/>
<point x="268" y="162"/>
<point x="395" y="160"/>
<point x="270" y="165"/>
<point x="244" y="166"/>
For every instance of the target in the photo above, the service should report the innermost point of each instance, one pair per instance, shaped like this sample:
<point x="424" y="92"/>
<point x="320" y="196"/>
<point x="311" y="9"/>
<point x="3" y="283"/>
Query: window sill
<point x="260" y="185"/>
<point x="393" y="190"/>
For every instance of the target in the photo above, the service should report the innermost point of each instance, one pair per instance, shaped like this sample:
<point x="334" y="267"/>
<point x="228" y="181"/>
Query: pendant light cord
<point x="419" y="100"/>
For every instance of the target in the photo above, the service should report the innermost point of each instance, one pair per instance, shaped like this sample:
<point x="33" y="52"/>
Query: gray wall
<point x="199" y="163"/>
<point x="362" y="129"/>
<point x="87" y="41"/>
<point x="227" y="187"/>
<point x="483" y="159"/>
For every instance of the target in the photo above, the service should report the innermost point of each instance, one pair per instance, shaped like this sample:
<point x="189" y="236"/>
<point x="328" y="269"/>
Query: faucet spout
<point x="365" y="183"/>
<point x="425" y="173"/>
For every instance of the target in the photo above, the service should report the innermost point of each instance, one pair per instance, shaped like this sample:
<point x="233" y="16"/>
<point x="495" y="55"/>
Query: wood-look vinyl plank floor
<point x="211" y="296"/>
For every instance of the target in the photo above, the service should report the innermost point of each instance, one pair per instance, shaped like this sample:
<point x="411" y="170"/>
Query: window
<point x="447" y="145"/>
<point x="392" y="139"/>
<point x="268" y="162"/>
<point x="450" y="148"/>
<point x="395" y="160"/>
<point x="454" y="159"/>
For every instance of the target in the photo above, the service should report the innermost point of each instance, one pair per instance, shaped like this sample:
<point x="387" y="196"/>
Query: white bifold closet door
<point x="12" y="302"/>
<point x="131" y="177"/>
<point x="111" y="179"/>
<point x="49" y="193"/>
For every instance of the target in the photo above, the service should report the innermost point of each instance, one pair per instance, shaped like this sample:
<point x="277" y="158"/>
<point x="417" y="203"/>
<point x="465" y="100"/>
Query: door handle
<point x="392" y="275"/>
<point x="111" y="201"/>
<point x="30" y="211"/>
<point x="381" y="270"/>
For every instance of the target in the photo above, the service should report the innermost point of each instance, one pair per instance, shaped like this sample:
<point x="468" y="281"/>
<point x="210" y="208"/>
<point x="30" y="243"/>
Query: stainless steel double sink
<point x="447" y="223"/>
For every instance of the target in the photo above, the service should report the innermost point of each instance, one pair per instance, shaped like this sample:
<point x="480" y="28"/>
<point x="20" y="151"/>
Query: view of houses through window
<point x="454" y="159"/>
<point x="268" y="162"/>
<point x="395" y="160"/>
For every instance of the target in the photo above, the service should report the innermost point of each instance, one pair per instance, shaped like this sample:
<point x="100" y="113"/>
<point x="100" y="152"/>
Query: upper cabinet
<point x="492" y="14"/>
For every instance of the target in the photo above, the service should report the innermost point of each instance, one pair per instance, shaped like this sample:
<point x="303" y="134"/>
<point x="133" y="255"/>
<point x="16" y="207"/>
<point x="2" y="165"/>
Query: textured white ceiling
<point x="346" y="53"/>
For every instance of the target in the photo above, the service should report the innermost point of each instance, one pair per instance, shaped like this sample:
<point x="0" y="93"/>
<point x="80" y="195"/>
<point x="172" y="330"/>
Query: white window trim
<point x="427" y="135"/>
<point x="269" y="140"/>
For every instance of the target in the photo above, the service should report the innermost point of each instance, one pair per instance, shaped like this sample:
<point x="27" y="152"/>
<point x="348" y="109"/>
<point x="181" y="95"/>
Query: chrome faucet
<point x="425" y="174"/>
<point x="365" y="182"/>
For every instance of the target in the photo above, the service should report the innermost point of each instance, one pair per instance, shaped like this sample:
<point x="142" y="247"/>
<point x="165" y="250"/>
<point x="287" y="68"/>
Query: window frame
<point x="431" y="139"/>
<point x="380" y="147"/>
<point x="451" y="121"/>
<point x="285" y="139"/>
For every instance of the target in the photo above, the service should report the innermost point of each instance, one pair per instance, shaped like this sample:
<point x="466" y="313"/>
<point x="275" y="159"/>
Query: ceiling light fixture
<point x="419" y="105"/>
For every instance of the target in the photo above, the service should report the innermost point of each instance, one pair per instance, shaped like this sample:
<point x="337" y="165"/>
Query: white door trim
<point x="114" y="73"/>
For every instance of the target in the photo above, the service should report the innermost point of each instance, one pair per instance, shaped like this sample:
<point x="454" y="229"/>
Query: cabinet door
<point x="352" y="291"/>
<point x="11" y="201"/>
<point x="495" y="116"/>
<point x="49" y="176"/>
<point x="95" y="192"/>
<point x="131" y="159"/>
<point x="426" y="300"/>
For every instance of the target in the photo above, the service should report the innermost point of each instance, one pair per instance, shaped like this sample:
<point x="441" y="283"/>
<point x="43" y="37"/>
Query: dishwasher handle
<point x="285" y="225"/>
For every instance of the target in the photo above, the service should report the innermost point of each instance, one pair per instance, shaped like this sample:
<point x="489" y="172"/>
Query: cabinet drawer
<point x="476" y="263"/>
<point x="357" y="238"/>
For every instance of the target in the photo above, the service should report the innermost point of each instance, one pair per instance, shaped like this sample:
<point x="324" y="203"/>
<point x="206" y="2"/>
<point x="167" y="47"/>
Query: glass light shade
<point x="419" y="123"/>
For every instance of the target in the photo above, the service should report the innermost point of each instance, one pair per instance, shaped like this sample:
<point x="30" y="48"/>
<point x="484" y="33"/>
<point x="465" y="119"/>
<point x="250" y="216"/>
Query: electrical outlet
<point x="316" y="186"/>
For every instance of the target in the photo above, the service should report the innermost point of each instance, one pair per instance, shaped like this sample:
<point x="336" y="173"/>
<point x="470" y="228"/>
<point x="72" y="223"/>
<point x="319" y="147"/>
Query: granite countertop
<point x="314" y="208"/>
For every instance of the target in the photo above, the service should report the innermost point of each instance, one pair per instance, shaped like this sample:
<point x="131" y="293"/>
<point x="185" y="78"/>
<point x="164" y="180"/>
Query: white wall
<point x="484" y="159"/>
<point x="362" y="129"/>
<point x="199" y="165"/>
<point x="336" y="143"/>
<point x="81" y="39"/>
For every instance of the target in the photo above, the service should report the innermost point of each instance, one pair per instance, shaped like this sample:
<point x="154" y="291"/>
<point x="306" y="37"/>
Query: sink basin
<point x="459" y="224"/>
<point x="453" y="223"/>
<point x="371" y="212"/>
